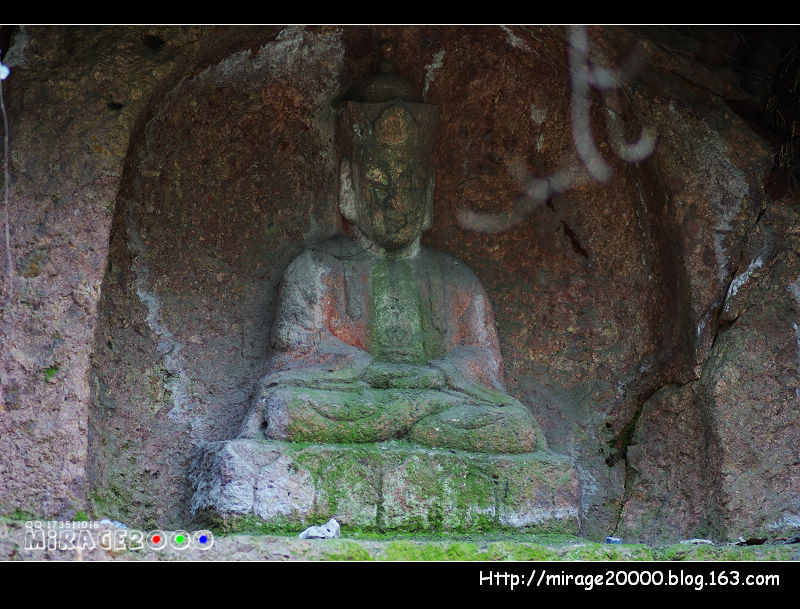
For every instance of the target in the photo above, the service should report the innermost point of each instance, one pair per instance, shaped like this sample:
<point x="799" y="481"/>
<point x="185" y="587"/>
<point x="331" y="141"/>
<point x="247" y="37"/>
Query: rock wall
<point x="73" y="100"/>
<point x="649" y="321"/>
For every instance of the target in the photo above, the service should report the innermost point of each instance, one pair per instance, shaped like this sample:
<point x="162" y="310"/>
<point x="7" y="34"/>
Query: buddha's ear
<point x="347" y="194"/>
<point x="427" y="221"/>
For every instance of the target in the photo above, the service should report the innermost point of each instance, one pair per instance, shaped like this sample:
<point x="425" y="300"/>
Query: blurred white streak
<point x="643" y="148"/>
<point x="584" y="74"/>
<point x="630" y="153"/>
<point x="601" y="78"/>
<point x="581" y="105"/>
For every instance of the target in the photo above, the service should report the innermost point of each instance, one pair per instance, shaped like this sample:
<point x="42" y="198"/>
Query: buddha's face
<point x="392" y="182"/>
<point x="392" y="196"/>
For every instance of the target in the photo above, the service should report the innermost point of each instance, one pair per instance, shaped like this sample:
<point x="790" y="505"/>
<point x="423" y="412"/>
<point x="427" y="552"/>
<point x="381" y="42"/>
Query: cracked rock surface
<point x="163" y="178"/>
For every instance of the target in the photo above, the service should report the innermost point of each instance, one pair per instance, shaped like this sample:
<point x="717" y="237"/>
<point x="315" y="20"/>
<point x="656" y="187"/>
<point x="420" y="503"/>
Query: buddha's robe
<point x="366" y="348"/>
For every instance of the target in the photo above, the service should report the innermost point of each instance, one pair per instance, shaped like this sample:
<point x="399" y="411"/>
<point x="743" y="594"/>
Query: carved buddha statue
<point x="376" y="337"/>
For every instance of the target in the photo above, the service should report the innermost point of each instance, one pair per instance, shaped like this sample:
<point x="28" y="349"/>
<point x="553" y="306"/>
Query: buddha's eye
<point x="379" y="189"/>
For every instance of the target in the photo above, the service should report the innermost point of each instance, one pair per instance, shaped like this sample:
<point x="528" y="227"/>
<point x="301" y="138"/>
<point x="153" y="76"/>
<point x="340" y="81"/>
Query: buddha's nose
<point x="398" y="203"/>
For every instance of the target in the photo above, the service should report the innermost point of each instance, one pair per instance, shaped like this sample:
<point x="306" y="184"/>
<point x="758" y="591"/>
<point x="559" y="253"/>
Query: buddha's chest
<point x="395" y="310"/>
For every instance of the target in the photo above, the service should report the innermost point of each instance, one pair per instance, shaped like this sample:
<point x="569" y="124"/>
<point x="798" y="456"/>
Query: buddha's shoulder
<point x="324" y="257"/>
<point x="453" y="270"/>
<point x="338" y="247"/>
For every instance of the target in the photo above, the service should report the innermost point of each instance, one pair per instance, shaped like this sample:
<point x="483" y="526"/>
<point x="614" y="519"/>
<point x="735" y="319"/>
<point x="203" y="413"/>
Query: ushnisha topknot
<point x="385" y="109"/>
<point x="386" y="84"/>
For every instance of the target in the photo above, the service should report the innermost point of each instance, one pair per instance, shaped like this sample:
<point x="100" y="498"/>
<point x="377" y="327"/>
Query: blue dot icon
<point x="203" y="540"/>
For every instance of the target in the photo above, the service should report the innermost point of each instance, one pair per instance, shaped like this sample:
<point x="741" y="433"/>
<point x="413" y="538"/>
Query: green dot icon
<point x="179" y="540"/>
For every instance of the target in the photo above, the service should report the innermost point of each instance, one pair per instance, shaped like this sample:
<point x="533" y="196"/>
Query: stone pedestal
<point x="386" y="486"/>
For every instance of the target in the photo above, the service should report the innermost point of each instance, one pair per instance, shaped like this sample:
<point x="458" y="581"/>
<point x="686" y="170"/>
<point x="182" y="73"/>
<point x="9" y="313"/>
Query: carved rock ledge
<point x="386" y="486"/>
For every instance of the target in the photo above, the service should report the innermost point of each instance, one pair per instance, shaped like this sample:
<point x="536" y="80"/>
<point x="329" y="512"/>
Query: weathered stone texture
<point x="73" y="98"/>
<point x="228" y="180"/>
<point x="718" y="456"/>
<point x="384" y="486"/>
<point x="707" y="457"/>
<point x="649" y="322"/>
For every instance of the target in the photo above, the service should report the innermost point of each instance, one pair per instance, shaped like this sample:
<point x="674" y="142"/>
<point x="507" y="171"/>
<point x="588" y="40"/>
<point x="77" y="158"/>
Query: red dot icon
<point x="157" y="540"/>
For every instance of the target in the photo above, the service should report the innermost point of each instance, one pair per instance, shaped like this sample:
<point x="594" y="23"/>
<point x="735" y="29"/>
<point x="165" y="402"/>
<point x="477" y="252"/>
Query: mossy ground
<point x="496" y="545"/>
<point x="492" y="547"/>
<point x="247" y="542"/>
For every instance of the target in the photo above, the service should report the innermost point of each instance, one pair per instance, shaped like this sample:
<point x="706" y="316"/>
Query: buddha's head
<point x="386" y="140"/>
